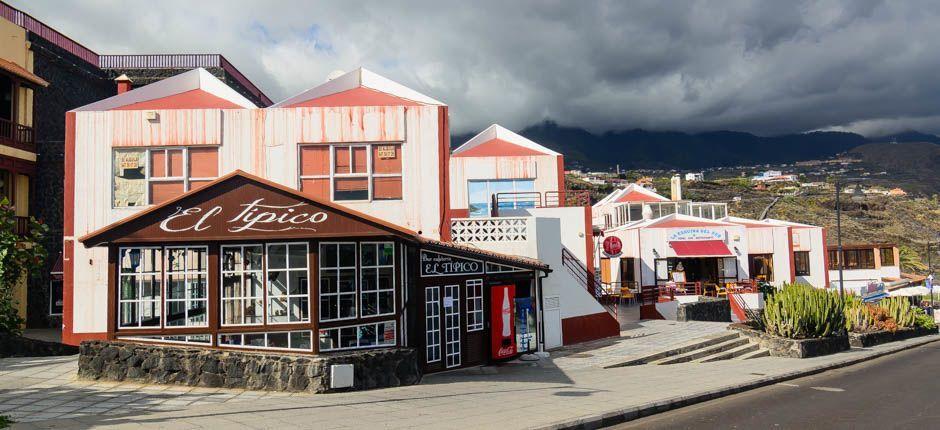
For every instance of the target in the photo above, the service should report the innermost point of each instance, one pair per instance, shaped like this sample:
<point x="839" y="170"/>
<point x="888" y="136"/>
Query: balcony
<point x="535" y="199"/>
<point x="17" y="136"/>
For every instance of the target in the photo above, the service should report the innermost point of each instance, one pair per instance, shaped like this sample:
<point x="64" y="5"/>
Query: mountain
<point x="677" y="150"/>
<point x="911" y="165"/>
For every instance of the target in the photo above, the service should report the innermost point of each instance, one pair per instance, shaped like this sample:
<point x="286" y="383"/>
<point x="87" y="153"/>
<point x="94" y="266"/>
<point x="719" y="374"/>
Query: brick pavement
<point x="514" y="395"/>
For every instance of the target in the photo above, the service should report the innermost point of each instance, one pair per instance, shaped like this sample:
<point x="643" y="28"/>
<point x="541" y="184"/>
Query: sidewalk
<point x="515" y="395"/>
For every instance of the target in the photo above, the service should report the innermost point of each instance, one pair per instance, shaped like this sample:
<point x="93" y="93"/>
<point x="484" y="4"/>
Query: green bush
<point x="801" y="312"/>
<point x="921" y="319"/>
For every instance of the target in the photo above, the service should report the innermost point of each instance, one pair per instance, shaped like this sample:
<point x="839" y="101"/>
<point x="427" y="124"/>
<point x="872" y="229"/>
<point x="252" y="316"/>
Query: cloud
<point x="762" y="66"/>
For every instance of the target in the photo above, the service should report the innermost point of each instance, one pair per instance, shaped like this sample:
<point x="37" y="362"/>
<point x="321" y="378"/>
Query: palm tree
<point x="910" y="260"/>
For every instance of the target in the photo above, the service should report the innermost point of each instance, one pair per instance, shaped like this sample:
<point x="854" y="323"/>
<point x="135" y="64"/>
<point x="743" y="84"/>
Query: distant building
<point x="772" y="176"/>
<point x="897" y="192"/>
<point x="694" y="177"/>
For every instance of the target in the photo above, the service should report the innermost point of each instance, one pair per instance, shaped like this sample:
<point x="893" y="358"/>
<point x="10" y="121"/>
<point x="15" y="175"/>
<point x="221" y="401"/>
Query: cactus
<point x="899" y="309"/>
<point x="800" y="311"/>
<point x="859" y="316"/>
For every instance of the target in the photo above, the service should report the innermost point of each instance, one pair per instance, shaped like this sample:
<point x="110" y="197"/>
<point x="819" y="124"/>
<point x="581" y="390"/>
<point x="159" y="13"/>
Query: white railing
<point x="502" y="229"/>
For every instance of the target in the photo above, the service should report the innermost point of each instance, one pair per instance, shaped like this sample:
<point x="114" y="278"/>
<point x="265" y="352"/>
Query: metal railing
<point x="181" y="61"/>
<point x="588" y="281"/>
<point x="35" y="26"/>
<point x="535" y="199"/>
<point x="17" y="135"/>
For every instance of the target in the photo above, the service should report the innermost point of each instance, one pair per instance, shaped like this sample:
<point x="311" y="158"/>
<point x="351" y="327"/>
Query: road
<point x="899" y="391"/>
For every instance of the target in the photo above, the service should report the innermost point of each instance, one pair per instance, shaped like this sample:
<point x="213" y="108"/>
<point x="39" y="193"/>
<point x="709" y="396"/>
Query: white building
<point x="864" y="264"/>
<point x="695" y="176"/>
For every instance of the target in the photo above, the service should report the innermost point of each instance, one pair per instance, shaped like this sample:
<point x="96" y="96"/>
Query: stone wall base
<point x="272" y="371"/>
<point x="864" y="340"/>
<point x="705" y="309"/>
<point x="793" y="348"/>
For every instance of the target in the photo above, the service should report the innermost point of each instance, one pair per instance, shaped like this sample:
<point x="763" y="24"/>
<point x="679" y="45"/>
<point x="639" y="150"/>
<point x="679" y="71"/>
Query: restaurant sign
<point x="695" y="234"/>
<point x="438" y="264"/>
<point x="251" y="216"/>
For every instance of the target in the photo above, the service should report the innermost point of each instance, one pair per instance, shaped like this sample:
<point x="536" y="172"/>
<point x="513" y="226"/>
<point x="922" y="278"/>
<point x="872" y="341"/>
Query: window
<point x="432" y="323"/>
<point x="363" y="172"/>
<point x="140" y="281"/>
<point x="153" y="176"/>
<point x="242" y="275"/>
<point x="337" y="281"/>
<point x="360" y="336"/>
<point x="452" y="324"/>
<point x="474" y="305"/>
<point x="833" y="260"/>
<point x="286" y="340"/>
<point x="480" y="194"/>
<point x="377" y="279"/>
<point x="801" y="262"/>
<point x="288" y="290"/>
<point x="55" y="294"/>
<point x="887" y="257"/>
<point x="178" y="338"/>
<point x="858" y="259"/>
<point x="186" y="286"/>
<point x="761" y="267"/>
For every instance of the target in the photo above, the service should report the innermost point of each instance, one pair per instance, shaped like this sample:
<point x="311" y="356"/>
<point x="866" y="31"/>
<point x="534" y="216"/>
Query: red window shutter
<point x="314" y="160"/>
<point x="360" y="159"/>
<point x="381" y="163"/>
<point x="176" y="163"/>
<point x="163" y="191"/>
<point x="386" y="188"/>
<point x="352" y="184"/>
<point x="316" y="188"/>
<point x="158" y="164"/>
<point x="203" y="162"/>
<point x="342" y="159"/>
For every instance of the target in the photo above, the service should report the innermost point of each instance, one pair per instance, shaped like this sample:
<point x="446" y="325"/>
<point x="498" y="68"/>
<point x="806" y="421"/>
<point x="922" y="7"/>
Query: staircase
<point x="587" y="281"/>
<point x="718" y="347"/>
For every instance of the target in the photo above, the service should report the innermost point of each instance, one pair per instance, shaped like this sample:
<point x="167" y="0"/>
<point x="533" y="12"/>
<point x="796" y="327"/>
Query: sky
<point x="766" y="67"/>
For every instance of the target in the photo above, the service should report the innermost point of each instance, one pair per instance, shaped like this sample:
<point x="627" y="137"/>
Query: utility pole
<point x="839" y="237"/>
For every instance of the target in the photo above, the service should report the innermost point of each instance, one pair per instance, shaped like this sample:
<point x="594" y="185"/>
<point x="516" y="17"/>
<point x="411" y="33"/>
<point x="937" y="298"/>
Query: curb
<point x="618" y="416"/>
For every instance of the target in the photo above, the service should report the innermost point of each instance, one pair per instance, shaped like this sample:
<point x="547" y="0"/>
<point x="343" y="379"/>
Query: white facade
<point x="884" y="266"/>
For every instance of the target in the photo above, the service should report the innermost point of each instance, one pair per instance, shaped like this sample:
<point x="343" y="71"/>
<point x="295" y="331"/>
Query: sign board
<point x="386" y="152"/>
<point x="696" y="234"/>
<point x="438" y="264"/>
<point x="612" y="246"/>
<point x="130" y="161"/>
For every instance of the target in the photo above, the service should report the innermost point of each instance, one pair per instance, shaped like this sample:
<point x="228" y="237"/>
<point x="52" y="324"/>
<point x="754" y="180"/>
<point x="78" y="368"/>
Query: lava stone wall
<point x="204" y="367"/>
<point x="706" y="309"/>
<point x="73" y="82"/>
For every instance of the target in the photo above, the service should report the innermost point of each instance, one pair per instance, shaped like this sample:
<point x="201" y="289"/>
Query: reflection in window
<point x="360" y="336"/>
<point x="288" y="298"/>
<point x="480" y="194"/>
<point x="186" y="286"/>
<point x="242" y="273"/>
<point x="377" y="279"/>
<point x="337" y="281"/>
<point x="140" y="286"/>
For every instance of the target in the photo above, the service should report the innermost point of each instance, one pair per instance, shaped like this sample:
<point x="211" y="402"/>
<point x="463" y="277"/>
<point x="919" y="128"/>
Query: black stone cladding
<point x="270" y="371"/>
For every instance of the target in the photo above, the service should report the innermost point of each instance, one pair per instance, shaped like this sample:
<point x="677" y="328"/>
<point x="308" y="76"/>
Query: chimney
<point x="124" y="84"/>
<point x="675" y="188"/>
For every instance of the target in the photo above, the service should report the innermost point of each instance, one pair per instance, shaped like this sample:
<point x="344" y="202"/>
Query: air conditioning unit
<point x="341" y="376"/>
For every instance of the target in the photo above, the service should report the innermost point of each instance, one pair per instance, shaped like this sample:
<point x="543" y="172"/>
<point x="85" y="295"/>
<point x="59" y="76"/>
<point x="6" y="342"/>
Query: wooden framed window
<point x="355" y="172"/>
<point x="242" y="285"/>
<point x="288" y="291"/>
<point x="801" y="263"/>
<point x="887" y="257"/>
<point x="140" y="287"/>
<point x="155" y="175"/>
<point x="373" y="335"/>
<point x="187" y="274"/>
<point x="475" y="313"/>
<point x="377" y="278"/>
<point x="297" y="340"/>
<point x="337" y="287"/>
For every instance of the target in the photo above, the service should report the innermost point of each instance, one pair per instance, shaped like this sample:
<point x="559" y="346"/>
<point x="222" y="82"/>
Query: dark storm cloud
<point x="762" y="66"/>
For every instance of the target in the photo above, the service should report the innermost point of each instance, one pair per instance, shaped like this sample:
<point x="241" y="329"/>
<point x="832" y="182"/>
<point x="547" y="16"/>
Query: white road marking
<point x="787" y="385"/>
<point x="830" y="389"/>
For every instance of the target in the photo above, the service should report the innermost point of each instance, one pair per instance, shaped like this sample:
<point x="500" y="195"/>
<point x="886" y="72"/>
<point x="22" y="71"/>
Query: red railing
<point x="35" y="26"/>
<point x="662" y="293"/>
<point x="16" y="135"/>
<point x="181" y="61"/>
<point x="588" y="281"/>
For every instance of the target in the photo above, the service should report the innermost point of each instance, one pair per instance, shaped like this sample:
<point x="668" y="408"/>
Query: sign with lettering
<point x="438" y="264"/>
<point x="240" y="208"/>
<point x="386" y="152"/>
<point x="696" y="234"/>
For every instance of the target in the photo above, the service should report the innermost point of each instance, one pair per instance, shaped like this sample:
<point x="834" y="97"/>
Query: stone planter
<point x="705" y="309"/>
<point x="19" y="346"/>
<point x="864" y="340"/>
<point x="793" y="348"/>
<point x="272" y="371"/>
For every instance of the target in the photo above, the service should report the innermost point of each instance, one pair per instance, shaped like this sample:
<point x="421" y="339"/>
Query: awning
<point x="22" y="73"/>
<point x="700" y="248"/>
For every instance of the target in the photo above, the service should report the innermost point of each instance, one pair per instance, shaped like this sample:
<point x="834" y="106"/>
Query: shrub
<point x="800" y="312"/>
<point x="921" y="319"/>
<point x="859" y="317"/>
<point x="899" y="309"/>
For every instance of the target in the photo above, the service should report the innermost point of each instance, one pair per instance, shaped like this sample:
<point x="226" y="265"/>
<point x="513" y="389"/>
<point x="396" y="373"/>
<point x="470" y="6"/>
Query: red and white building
<point x="360" y="149"/>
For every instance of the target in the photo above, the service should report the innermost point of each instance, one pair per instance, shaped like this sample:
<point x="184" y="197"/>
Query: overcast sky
<point x="767" y="67"/>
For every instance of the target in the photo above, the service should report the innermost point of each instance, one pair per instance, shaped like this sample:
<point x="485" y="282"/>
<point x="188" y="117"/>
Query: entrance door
<point x="452" y="326"/>
<point x="476" y="341"/>
<point x="628" y="272"/>
<point x="442" y="327"/>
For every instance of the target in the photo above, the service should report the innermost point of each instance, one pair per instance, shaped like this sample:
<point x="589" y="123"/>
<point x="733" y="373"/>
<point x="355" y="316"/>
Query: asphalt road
<point x="898" y="391"/>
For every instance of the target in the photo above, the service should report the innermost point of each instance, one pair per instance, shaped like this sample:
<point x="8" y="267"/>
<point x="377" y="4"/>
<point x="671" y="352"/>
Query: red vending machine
<point x="502" y="318"/>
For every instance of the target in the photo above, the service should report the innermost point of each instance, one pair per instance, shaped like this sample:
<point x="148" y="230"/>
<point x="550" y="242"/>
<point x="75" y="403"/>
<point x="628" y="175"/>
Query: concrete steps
<point x="717" y="347"/>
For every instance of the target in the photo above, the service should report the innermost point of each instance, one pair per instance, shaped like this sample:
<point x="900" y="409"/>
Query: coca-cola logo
<point x="253" y="216"/>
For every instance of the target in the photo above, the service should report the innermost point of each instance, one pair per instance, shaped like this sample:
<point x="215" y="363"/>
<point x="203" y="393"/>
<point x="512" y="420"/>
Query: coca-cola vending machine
<point x="502" y="319"/>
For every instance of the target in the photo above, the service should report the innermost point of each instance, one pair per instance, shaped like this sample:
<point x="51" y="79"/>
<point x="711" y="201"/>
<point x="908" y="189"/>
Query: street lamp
<point x="838" y="183"/>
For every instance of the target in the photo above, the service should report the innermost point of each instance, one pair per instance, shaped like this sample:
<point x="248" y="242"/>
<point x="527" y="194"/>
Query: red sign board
<point x="502" y="319"/>
<point x="612" y="245"/>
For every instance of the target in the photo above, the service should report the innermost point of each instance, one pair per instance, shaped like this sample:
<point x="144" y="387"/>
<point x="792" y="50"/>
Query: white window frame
<point x="338" y="294"/>
<point x="268" y="297"/>
<point x="138" y="300"/>
<point x="432" y="323"/>
<point x="241" y="273"/>
<point x="332" y="175"/>
<point x="377" y="292"/>
<point x="162" y="338"/>
<point x="453" y="350"/>
<point x="357" y="327"/>
<point x="490" y="193"/>
<point x="147" y="167"/>
<point x="474" y="307"/>
<point x="266" y="334"/>
<point x="186" y="300"/>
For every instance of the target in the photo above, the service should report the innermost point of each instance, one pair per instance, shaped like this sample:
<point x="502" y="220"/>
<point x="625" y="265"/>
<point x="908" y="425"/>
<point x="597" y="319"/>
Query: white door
<point x="552" y="315"/>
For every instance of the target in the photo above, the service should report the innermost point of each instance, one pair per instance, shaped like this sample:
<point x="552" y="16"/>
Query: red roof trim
<point x="637" y="196"/>
<point x="192" y="99"/>
<point x="359" y="96"/>
<point x="497" y="147"/>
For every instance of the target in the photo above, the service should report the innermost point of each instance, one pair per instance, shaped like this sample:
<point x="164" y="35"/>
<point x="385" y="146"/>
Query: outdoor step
<point x="731" y="353"/>
<point x="703" y="352"/>
<point x="696" y="344"/>
<point x="756" y="354"/>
